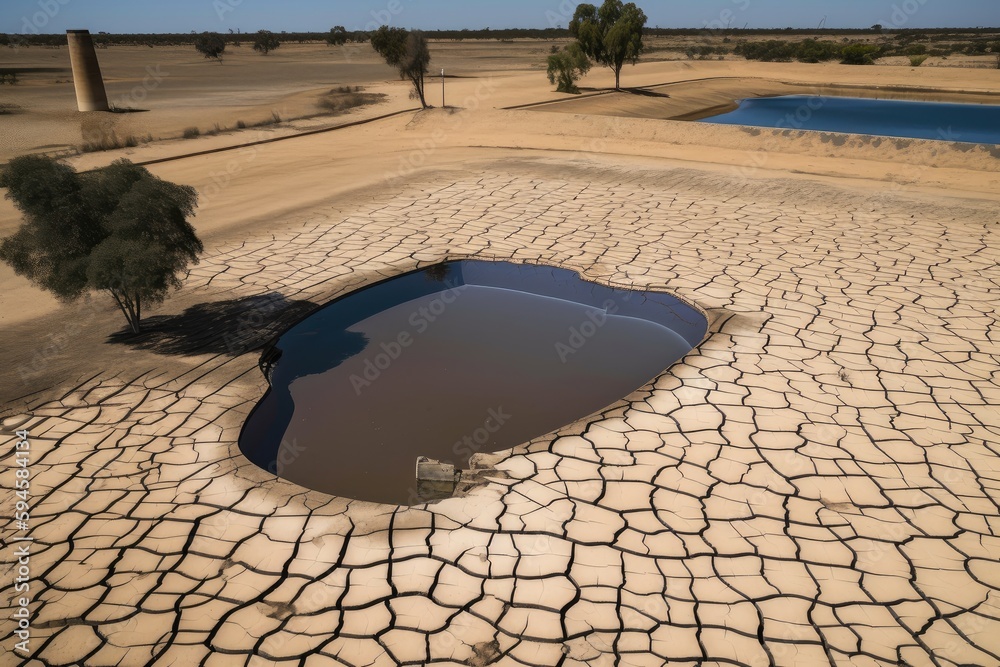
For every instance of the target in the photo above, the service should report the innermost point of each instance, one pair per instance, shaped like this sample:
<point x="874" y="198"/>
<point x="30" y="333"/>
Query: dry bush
<point x="343" y="99"/>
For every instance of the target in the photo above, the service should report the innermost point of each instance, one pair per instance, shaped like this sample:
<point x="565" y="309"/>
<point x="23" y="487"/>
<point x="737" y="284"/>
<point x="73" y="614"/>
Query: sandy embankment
<point x="700" y="98"/>
<point x="254" y="190"/>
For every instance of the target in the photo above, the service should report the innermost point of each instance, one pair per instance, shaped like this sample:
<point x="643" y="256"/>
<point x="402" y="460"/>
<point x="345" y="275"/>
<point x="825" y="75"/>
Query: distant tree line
<point x="813" y="51"/>
<point x="236" y="38"/>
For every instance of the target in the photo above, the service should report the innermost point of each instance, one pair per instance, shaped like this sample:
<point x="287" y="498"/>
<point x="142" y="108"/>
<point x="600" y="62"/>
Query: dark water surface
<point x="459" y="358"/>
<point x="972" y="123"/>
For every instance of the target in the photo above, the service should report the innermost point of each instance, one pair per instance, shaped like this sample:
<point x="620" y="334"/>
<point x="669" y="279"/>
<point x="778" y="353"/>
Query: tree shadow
<point x="643" y="92"/>
<point x="231" y="327"/>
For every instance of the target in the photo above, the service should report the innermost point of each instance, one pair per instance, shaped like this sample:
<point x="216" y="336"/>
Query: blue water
<point x="970" y="123"/>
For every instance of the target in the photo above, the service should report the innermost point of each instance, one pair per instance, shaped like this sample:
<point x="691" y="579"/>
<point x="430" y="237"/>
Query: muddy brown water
<point x="446" y="362"/>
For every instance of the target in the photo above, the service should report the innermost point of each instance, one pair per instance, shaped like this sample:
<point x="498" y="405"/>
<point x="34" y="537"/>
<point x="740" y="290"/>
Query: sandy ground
<point x="816" y="484"/>
<point x="241" y="191"/>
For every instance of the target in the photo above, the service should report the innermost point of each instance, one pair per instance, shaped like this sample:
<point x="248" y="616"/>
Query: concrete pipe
<point x="90" y="93"/>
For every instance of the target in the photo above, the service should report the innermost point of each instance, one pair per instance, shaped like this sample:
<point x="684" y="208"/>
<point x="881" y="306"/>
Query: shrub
<point x="769" y="51"/>
<point x="342" y="99"/>
<point x="191" y="132"/>
<point x="566" y="68"/>
<point x="860" y="54"/>
<point x="917" y="61"/>
<point x="812" y="51"/>
<point x="109" y="142"/>
<point x="807" y="51"/>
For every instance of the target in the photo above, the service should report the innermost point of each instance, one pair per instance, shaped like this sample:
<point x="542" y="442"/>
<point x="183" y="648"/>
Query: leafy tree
<point x="877" y="28"/>
<point x="338" y="36"/>
<point x="567" y="66"/>
<point x="210" y="45"/>
<point x="408" y="52"/>
<point x="118" y="229"/>
<point x="611" y="35"/>
<point x="265" y="41"/>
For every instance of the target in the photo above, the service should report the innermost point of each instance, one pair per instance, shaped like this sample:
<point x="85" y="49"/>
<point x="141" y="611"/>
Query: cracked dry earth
<point x="817" y="483"/>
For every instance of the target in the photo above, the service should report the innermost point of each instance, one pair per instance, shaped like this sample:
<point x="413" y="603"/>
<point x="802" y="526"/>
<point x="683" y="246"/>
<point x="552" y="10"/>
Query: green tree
<point x="337" y="36"/>
<point x="567" y="66"/>
<point x="611" y="35"/>
<point x="265" y="41"/>
<point x="408" y="52"/>
<point x="118" y="229"/>
<point x="210" y="45"/>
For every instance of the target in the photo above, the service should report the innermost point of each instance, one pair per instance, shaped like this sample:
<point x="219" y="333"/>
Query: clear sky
<point x="28" y="16"/>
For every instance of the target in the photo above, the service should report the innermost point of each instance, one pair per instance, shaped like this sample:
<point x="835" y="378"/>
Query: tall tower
<point x="90" y="93"/>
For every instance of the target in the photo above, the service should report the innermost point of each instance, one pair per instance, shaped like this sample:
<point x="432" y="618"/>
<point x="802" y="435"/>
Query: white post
<point x="442" y="88"/>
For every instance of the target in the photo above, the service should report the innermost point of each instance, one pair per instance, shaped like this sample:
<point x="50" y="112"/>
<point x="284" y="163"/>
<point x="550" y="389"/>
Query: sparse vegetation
<point x="860" y="54"/>
<point x="8" y="78"/>
<point x="812" y="51"/>
<point x="210" y="45"/>
<point x="109" y="141"/>
<point x="275" y="119"/>
<point x="119" y="230"/>
<point x="611" y="35"/>
<point x="808" y="50"/>
<point x="566" y="67"/>
<point x="917" y="61"/>
<point x="408" y="52"/>
<point x="191" y="132"/>
<point x="265" y="41"/>
<point x="343" y="99"/>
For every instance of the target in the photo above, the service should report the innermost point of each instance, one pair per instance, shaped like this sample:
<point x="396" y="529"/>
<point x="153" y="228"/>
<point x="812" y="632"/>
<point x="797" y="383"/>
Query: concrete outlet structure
<point x="90" y="93"/>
